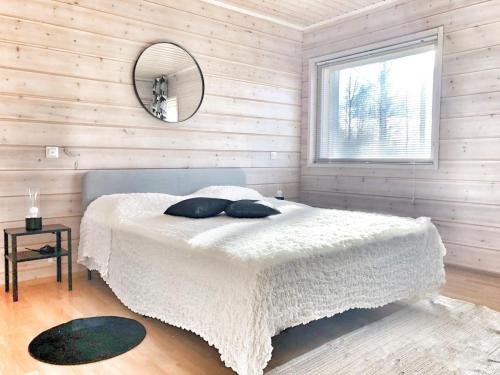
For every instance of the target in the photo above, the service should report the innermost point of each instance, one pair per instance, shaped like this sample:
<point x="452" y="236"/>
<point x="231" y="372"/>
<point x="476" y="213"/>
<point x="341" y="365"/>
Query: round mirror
<point x="168" y="82"/>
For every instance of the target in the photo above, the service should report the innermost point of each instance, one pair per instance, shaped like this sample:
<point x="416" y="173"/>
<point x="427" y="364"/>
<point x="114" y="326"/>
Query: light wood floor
<point x="168" y="350"/>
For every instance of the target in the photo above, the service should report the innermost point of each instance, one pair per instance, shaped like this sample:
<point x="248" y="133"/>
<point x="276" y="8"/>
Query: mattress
<point x="238" y="282"/>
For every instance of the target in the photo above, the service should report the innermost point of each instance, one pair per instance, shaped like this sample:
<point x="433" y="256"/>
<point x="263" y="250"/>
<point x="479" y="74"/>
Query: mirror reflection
<point x="168" y="82"/>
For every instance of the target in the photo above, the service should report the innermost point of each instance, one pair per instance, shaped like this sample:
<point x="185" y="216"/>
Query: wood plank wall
<point x="66" y="80"/>
<point x="463" y="196"/>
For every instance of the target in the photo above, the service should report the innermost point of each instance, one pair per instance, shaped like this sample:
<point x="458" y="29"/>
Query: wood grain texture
<point x="462" y="195"/>
<point x="66" y="80"/>
<point x="169" y="350"/>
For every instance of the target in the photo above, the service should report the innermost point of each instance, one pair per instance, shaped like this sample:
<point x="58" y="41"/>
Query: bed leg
<point x="89" y="275"/>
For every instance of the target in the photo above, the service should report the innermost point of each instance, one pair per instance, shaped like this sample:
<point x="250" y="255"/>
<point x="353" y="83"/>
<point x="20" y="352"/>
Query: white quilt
<point x="238" y="282"/>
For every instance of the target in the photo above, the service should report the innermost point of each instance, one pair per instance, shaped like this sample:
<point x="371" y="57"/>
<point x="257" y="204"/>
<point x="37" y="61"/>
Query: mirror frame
<point x="197" y="66"/>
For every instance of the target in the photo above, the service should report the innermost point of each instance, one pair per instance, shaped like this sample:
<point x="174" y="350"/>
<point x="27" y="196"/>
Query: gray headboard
<point x="169" y="181"/>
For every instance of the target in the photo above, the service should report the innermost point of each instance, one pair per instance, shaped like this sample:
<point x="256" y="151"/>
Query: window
<point x="378" y="105"/>
<point x="171" y="109"/>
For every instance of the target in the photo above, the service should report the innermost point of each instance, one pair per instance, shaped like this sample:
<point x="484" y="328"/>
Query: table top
<point x="21" y="231"/>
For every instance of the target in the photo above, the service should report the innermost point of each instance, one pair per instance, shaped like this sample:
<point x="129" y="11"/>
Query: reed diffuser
<point x="33" y="212"/>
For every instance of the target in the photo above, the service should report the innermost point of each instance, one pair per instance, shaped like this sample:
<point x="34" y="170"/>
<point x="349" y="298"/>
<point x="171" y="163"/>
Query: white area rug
<point x="432" y="337"/>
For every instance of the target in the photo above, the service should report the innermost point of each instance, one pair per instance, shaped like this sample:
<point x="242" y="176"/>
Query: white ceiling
<point x="162" y="59"/>
<point x="300" y="14"/>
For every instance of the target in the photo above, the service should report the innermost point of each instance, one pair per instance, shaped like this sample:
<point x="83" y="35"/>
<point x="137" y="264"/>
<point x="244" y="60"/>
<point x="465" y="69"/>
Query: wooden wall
<point x="463" y="196"/>
<point x="66" y="69"/>
<point x="66" y="80"/>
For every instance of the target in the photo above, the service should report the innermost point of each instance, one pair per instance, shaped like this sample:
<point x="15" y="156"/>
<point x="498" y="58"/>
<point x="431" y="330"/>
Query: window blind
<point x="377" y="105"/>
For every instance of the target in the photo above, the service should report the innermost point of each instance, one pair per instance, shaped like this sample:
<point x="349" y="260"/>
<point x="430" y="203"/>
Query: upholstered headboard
<point x="169" y="181"/>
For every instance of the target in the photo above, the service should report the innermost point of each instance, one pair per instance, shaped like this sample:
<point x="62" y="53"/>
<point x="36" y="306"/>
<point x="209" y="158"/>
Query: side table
<point x="25" y="256"/>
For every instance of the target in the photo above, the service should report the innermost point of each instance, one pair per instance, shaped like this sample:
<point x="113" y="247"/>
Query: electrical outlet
<point x="52" y="152"/>
<point x="274" y="155"/>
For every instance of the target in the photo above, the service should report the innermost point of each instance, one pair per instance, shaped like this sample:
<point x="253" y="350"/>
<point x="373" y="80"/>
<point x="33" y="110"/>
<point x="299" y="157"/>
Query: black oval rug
<point x="87" y="340"/>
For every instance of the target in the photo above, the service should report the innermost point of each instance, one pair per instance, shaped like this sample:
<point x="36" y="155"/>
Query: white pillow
<point x="233" y="193"/>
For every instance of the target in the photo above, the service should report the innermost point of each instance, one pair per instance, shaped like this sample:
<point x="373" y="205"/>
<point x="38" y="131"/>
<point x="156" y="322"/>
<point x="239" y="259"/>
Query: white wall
<point x="463" y="196"/>
<point x="66" y="80"/>
<point x="185" y="86"/>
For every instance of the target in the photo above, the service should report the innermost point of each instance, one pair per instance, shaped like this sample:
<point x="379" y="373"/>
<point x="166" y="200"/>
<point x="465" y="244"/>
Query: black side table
<point x="26" y="256"/>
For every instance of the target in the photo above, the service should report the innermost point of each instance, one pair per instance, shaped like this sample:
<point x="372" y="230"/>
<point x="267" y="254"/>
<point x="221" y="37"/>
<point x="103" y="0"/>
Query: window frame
<point x="372" y="51"/>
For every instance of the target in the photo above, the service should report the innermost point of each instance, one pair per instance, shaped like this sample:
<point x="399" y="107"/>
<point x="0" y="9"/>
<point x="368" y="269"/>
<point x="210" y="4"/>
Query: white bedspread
<point x="238" y="282"/>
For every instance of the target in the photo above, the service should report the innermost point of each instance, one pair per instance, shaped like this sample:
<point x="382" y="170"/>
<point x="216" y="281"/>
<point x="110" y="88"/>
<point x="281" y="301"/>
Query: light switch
<point x="52" y="152"/>
<point x="274" y="155"/>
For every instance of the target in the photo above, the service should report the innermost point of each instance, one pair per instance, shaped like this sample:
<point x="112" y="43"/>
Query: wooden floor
<point x="168" y="350"/>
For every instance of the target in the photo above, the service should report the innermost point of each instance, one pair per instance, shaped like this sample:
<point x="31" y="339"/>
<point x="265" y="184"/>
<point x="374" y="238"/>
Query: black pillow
<point x="198" y="208"/>
<point x="249" y="209"/>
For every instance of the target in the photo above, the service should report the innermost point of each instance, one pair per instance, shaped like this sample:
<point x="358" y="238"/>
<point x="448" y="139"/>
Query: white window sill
<point x="388" y="165"/>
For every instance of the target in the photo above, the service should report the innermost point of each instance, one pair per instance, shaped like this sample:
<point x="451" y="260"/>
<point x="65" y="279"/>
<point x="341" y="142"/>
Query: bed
<point x="238" y="282"/>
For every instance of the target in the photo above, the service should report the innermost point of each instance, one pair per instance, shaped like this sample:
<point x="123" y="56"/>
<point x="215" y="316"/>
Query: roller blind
<point x="376" y="106"/>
